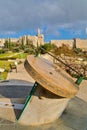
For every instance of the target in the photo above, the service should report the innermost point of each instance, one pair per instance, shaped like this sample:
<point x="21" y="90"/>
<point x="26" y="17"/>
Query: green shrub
<point x="48" y="47"/>
<point x="78" y="50"/>
<point x="2" y="51"/>
<point x="6" y="65"/>
<point x="64" y="49"/>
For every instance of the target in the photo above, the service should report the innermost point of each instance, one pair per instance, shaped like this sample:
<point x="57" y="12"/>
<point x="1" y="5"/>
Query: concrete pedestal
<point x="43" y="107"/>
<point x="10" y="108"/>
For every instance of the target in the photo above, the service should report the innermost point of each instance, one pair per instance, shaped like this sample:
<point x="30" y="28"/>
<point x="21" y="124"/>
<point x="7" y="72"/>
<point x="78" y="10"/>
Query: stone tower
<point x="40" y="38"/>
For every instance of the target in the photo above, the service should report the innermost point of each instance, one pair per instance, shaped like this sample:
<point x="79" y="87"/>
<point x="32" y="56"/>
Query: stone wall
<point x="59" y="43"/>
<point x="2" y="41"/>
<point x="40" y="39"/>
<point x="12" y="40"/>
<point x="35" y="40"/>
<point x="80" y="43"/>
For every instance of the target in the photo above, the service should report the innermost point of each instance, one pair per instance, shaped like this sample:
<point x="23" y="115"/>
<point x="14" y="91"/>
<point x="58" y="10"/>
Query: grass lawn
<point x="5" y="64"/>
<point x="20" y="55"/>
<point x="7" y="56"/>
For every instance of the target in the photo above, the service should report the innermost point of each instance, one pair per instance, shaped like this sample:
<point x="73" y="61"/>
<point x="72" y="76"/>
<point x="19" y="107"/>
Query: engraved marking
<point x="50" y="73"/>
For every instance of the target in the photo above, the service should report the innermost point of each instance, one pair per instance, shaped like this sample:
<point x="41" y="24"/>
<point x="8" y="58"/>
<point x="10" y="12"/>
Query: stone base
<point x="44" y="107"/>
<point x="10" y="108"/>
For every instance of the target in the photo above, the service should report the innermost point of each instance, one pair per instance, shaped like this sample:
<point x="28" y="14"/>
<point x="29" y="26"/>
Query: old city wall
<point x="80" y="43"/>
<point x="59" y="43"/>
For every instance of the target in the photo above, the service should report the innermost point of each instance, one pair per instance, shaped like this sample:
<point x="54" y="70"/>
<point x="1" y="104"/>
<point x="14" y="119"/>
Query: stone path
<point x="20" y="75"/>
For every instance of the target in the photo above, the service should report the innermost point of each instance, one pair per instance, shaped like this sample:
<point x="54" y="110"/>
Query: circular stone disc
<point x="56" y="81"/>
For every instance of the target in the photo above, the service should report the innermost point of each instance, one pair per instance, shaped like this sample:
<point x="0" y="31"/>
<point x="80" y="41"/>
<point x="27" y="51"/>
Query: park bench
<point x="13" y="66"/>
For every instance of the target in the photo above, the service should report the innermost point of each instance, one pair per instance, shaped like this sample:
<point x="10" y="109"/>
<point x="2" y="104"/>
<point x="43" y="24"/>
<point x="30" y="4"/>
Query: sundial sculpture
<point x="50" y="94"/>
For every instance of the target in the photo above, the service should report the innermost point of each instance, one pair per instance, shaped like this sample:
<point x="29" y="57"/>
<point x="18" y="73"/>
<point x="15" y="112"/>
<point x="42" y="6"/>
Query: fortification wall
<point x="34" y="40"/>
<point x="40" y="39"/>
<point x="2" y="41"/>
<point x="80" y="43"/>
<point x="59" y="43"/>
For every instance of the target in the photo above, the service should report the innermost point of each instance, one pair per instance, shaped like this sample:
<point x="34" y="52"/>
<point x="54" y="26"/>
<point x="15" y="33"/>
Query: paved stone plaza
<point x="73" y="118"/>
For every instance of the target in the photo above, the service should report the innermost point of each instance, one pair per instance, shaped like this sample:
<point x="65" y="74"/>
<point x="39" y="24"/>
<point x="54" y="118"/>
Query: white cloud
<point x="86" y="30"/>
<point x="18" y="15"/>
<point x="8" y="32"/>
<point x="76" y="32"/>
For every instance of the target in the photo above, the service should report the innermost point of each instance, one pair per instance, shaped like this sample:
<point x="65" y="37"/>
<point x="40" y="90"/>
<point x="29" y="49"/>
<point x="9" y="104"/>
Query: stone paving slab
<point x="20" y="75"/>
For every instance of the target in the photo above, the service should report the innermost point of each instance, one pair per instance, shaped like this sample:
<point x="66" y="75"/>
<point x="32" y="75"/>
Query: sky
<point x="57" y="19"/>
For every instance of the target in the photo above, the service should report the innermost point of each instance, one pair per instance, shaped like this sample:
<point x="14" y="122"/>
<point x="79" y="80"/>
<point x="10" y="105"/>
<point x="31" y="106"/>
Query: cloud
<point x="7" y="32"/>
<point x="76" y="32"/>
<point x="20" y="15"/>
<point x="86" y="30"/>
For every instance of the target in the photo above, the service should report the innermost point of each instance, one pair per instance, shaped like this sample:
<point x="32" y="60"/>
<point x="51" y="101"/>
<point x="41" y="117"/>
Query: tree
<point x="22" y="44"/>
<point x="48" y="47"/>
<point x="74" y="44"/>
<point x="27" y="40"/>
<point x="6" y="44"/>
<point x="64" y="49"/>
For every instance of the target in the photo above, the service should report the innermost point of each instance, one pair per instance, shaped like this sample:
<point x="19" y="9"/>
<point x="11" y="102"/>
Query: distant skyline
<point x="57" y="19"/>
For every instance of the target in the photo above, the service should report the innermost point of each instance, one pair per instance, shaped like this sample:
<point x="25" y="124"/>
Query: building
<point x="2" y="41"/>
<point x="40" y="38"/>
<point x="35" y="40"/>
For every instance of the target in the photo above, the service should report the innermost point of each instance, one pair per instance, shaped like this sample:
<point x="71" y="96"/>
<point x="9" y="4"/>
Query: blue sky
<point x="57" y="19"/>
